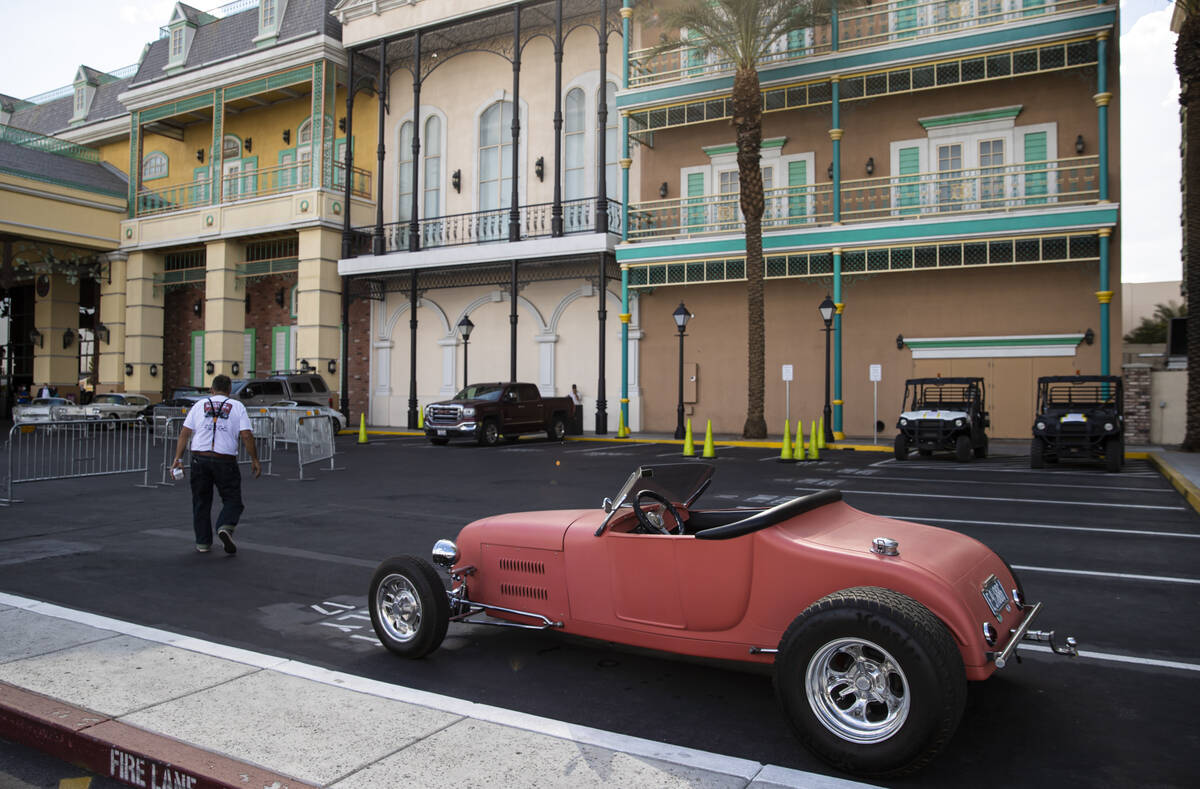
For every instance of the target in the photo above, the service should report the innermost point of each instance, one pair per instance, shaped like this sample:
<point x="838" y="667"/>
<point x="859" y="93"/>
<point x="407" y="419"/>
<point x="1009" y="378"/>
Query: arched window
<point x="231" y="148"/>
<point x="432" y="146"/>
<point x="611" y="154"/>
<point x="495" y="157"/>
<point x="575" y="185"/>
<point x="154" y="166"/>
<point x="404" y="178"/>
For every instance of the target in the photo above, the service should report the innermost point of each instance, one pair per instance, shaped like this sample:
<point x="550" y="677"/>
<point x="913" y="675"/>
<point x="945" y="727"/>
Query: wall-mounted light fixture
<point x="154" y="371"/>
<point x="305" y="367"/>
<point x="870" y="165"/>
<point x="287" y="136"/>
<point x="128" y="368"/>
<point x="210" y="368"/>
<point x="456" y="180"/>
<point x="1089" y="336"/>
<point x="663" y="190"/>
<point x="198" y="307"/>
<point x="539" y="168"/>
<point x="200" y="155"/>
<point x="35" y="338"/>
<point x="246" y="302"/>
<point x="68" y="337"/>
<point x="102" y="333"/>
<point x="829" y="172"/>
<point x="899" y="342"/>
<point x="342" y="123"/>
<point x="235" y="368"/>
<point x="249" y="144"/>
<point x="279" y="297"/>
<point x="332" y="366"/>
<point x="1079" y="144"/>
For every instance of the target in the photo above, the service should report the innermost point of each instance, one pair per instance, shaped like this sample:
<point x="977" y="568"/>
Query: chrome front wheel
<point x="400" y="607"/>
<point x="409" y="608"/>
<point x="857" y="690"/>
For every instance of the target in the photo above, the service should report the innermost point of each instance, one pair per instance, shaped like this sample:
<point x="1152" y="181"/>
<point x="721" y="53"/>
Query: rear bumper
<point x="1022" y="632"/>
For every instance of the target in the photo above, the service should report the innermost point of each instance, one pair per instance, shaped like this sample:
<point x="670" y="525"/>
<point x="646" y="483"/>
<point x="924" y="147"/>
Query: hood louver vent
<point x="522" y="566"/>
<point x="526" y="592"/>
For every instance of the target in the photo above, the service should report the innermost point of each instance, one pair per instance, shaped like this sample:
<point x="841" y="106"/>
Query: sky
<point x="109" y="34"/>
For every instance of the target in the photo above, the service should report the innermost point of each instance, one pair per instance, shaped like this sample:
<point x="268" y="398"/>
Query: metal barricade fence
<point x="169" y="436"/>
<point x="314" y="440"/>
<point x="261" y="426"/>
<point x="43" y="451"/>
<point x="161" y="414"/>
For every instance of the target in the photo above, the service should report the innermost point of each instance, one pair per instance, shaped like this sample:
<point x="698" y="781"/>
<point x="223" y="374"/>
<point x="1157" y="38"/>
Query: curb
<point x="122" y="752"/>
<point x="1181" y="483"/>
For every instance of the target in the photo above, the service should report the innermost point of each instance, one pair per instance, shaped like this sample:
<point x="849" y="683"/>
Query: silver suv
<point x="304" y="388"/>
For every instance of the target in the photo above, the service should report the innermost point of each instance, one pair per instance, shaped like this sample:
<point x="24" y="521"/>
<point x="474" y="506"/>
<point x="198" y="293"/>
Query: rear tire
<point x="1114" y="453"/>
<point x="1037" y="453"/>
<point x="962" y="449"/>
<point x="557" y="429"/>
<point x="409" y="608"/>
<point x="901" y="447"/>
<point x="915" y="682"/>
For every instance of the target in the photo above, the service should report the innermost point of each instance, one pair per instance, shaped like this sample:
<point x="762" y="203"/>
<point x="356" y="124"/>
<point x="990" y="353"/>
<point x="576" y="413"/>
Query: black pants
<point x="225" y="474"/>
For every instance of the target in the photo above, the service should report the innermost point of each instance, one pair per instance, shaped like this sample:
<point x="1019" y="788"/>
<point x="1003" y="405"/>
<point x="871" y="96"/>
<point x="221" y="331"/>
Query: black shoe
<point x="225" y="535"/>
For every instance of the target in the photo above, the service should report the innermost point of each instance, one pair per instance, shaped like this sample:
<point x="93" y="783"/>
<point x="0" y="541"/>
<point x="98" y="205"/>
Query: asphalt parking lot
<point x="1113" y="557"/>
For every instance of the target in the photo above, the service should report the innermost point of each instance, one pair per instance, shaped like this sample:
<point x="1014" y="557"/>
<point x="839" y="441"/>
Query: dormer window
<point x="86" y="82"/>
<point x="181" y="30"/>
<point x="80" y="100"/>
<point x="270" y="12"/>
<point x="177" y="43"/>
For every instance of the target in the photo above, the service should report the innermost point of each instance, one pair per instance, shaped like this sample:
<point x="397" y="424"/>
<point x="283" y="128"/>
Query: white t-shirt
<point x="215" y="423"/>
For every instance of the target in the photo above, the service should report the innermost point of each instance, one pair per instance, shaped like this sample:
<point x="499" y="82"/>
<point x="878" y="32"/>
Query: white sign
<point x="787" y="372"/>
<point x="877" y="372"/>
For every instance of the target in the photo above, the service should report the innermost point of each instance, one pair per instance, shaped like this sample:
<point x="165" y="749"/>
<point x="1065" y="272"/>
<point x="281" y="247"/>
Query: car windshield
<point x="49" y="401"/>
<point x="109" y="398"/>
<point x="679" y="483"/>
<point x="480" y="392"/>
<point x="947" y="396"/>
<point x="1069" y="394"/>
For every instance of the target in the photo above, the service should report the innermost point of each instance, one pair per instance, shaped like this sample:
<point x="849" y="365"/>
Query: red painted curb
<point x="122" y="752"/>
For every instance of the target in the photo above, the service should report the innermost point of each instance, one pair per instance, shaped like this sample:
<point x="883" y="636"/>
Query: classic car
<point x="118" y="406"/>
<point x="873" y="625"/>
<point x="47" y="409"/>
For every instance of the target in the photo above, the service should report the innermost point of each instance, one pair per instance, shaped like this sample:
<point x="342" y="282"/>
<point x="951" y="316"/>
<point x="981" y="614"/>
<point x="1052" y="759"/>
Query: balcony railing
<point x="878" y="24"/>
<point x="1010" y="187"/>
<point x="246" y="184"/>
<point x="480" y="227"/>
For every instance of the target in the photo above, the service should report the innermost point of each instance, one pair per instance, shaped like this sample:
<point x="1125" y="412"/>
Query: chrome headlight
<point x="445" y="553"/>
<point x="989" y="634"/>
<point x="1108" y="426"/>
<point x="468" y="412"/>
<point x="903" y="422"/>
<point x="958" y="423"/>
<point x="1041" y="425"/>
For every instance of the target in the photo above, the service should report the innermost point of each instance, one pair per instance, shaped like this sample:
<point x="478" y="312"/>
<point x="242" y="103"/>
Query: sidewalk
<point x="159" y="710"/>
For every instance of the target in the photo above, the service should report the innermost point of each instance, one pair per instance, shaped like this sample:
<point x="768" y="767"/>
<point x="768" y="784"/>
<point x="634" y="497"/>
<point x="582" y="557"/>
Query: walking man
<point x="213" y="426"/>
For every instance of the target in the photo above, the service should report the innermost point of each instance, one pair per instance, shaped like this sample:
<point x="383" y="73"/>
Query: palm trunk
<point x="1187" y="62"/>
<point x="747" y="118"/>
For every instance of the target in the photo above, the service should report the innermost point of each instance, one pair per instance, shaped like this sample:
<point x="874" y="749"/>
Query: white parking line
<point x="1124" y="576"/>
<point x="998" y="498"/>
<point x="1096" y="473"/>
<point x="890" y="478"/>
<point x="1139" y="661"/>
<point x="1122" y="532"/>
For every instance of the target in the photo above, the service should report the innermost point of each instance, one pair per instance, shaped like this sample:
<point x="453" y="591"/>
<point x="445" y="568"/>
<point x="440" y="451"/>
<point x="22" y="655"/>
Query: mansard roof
<point x="65" y="170"/>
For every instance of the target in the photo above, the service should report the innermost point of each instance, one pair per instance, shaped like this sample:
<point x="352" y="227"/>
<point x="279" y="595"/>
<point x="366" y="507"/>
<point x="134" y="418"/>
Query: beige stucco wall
<point x="1168" y="406"/>
<point x="1139" y="300"/>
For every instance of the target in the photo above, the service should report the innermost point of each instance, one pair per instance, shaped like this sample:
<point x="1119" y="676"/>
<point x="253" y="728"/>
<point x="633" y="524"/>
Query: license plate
<point x="441" y="432"/>
<point x="993" y="593"/>
<point x="1074" y="418"/>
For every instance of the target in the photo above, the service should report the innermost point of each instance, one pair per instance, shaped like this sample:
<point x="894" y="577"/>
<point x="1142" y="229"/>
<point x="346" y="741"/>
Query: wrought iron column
<point x="835" y="134"/>
<point x="626" y="15"/>
<point x="347" y="233"/>
<point x="412" y="350"/>
<point x="512" y="321"/>
<point x="514" y="209"/>
<point x="602" y="315"/>
<point x="601" y="157"/>
<point x="556" y="211"/>
<point x="377" y="245"/>
<point x="414" y="224"/>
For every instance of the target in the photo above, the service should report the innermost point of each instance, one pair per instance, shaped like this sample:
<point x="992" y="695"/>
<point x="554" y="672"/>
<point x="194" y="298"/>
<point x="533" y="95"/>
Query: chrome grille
<point x="444" y="414"/>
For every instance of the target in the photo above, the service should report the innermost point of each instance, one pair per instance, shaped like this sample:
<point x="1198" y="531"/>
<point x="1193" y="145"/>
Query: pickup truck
<point x="492" y="411"/>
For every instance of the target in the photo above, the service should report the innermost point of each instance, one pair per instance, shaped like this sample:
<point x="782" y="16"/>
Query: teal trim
<point x="200" y="193"/>
<point x="797" y="182"/>
<point x="717" y="150"/>
<point x="1102" y="114"/>
<point x="970" y="117"/>
<point x="624" y="221"/>
<point x="1035" y="151"/>
<point x="837" y="155"/>
<point x="909" y="166"/>
<point x="695" y="212"/>
<point x="1103" y="17"/>
<point x="837" y="342"/>
<point x="252" y="364"/>
<point x="903" y="232"/>
<point x="1105" y="328"/>
<point x="906" y="18"/>
<point x="835" y="27"/>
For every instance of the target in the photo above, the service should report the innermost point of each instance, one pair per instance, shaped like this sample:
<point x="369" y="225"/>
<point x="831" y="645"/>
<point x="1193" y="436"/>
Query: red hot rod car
<point x="873" y="625"/>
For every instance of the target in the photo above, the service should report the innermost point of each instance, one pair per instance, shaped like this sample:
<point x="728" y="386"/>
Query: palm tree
<point x="743" y="32"/>
<point x="1153" y="329"/>
<point x="1187" y="63"/>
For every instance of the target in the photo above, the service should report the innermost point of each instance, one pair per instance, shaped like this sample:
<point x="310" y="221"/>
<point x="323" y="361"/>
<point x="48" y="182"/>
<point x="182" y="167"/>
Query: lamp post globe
<point x="464" y="328"/>
<point x="681" y="316"/>
<point x="827" y="308"/>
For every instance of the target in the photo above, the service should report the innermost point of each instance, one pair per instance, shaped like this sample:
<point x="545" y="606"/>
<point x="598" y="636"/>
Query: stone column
<point x="224" y="309"/>
<point x="110" y="376"/>
<point x="319" y="303"/>
<point x="1137" y="403"/>
<point x="143" y="324"/>
<point x="53" y="314"/>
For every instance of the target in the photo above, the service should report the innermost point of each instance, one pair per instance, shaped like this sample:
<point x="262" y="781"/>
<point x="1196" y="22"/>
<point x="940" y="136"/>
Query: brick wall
<point x="265" y="312"/>
<point x="358" y="361"/>
<point x="1137" y="403"/>
<point x="179" y="321"/>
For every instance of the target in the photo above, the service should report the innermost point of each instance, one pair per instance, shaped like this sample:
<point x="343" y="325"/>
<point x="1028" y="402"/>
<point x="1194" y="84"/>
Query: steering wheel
<point x="652" y="520"/>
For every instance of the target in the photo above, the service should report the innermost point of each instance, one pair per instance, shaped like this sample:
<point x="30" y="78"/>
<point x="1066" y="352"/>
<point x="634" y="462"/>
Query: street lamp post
<point x="826" y="309"/>
<point x="681" y="316"/>
<point x="464" y="328"/>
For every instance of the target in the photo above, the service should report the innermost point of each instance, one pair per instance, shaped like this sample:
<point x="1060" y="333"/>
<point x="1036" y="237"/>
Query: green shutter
<point x="281" y="353"/>
<point x="287" y="175"/>
<point x="1035" y="179"/>
<point x="248" y="353"/>
<point x="1033" y="7"/>
<point x="910" y="191"/>
<point x="200" y="192"/>
<point x="197" y="365"/>
<point x="797" y="188"/>
<point x="695" y="212"/>
<point x="906" y="18"/>
<point x="692" y="58"/>
<point x="249" y="183"/>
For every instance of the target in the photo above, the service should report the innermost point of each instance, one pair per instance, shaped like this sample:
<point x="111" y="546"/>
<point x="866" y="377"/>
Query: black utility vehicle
<point x="943" y="413"/>
<point x="1079" y="416"/>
